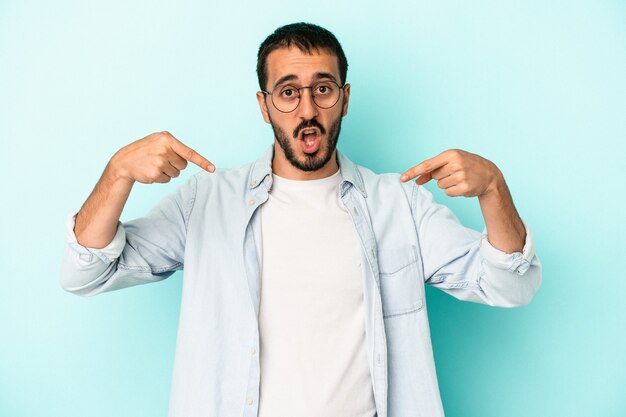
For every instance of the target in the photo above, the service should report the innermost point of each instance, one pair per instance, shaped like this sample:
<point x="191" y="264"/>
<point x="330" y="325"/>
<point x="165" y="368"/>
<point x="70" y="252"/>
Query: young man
<point x="304" y="273"/>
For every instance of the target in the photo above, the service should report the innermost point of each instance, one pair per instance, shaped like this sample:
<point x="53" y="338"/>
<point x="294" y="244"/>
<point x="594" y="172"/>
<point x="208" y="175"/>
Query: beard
<point x="316" y="160"/>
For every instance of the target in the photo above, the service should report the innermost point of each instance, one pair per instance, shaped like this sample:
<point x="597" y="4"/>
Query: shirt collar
<point x="262" y="169"/>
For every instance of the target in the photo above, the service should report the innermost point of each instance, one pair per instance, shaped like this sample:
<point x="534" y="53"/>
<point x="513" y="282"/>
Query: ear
<point x="260" y="97"/>
<point x="346" y="98"/>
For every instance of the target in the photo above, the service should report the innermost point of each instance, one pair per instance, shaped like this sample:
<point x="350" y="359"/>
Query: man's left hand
<point x="458" y="173"/>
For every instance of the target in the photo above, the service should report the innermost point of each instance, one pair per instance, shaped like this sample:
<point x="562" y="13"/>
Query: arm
<point x="504" y="225"/>
<point x="143" y="250"/>
<point x="459" y="260"/>
<point x="102" y="253"/>
<point x="97" y="220"/>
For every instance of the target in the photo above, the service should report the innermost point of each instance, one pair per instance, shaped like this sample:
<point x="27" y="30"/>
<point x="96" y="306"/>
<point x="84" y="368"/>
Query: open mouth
<point x="310" y="139"/>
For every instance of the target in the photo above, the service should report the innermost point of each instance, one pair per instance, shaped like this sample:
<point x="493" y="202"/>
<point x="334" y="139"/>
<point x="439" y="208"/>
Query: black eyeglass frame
<point x="267" y="93"/>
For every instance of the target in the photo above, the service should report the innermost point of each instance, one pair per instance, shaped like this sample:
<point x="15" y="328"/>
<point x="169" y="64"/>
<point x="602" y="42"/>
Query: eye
<point x="323" y="89"/>
<point x="289" y="92"/>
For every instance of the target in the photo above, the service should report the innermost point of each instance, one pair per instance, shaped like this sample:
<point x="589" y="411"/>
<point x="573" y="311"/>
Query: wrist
<point x="497" y="188"/>
<point x="116" y="174"/>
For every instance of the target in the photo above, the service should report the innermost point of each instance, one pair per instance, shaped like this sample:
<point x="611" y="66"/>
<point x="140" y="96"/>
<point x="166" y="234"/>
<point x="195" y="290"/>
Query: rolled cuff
<point x="517" y="262"/>
<point x="107" y="254"/>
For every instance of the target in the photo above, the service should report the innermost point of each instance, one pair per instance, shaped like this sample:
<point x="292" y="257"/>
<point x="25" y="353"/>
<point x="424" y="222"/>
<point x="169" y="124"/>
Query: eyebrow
<point x="316" y="76"/>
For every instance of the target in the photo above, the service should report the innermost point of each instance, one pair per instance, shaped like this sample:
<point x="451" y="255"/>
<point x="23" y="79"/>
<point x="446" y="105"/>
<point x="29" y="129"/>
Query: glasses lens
<point x="286" y="98"/>
<point x="325" y="94"/>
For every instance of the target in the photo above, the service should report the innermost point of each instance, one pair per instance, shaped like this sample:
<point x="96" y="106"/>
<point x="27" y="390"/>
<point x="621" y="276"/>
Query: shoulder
<point x="223" y="176"/>
<point x="386" y="188"/>
<point x="385" y="183"/>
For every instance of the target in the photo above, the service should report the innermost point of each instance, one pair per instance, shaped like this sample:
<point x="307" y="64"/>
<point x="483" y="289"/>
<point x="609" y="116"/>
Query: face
<point x="307" y="137"/>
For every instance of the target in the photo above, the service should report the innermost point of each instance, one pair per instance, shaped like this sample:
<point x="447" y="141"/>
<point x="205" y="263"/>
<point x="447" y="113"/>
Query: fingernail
<point x="211" y="168"/>
<point x="404" y="177"/>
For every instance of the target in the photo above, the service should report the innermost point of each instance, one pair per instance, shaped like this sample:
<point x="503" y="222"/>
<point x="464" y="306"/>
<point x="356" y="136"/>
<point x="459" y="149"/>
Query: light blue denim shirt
<point x="210" y="228"/>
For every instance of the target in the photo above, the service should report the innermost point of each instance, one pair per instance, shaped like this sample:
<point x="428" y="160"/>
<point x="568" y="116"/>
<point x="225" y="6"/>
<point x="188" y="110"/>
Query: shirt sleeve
<point x="518" y="262"/>
<point x="461" y="262"/>
<point x="143" y="250"/>
<point x="107" y="254"/>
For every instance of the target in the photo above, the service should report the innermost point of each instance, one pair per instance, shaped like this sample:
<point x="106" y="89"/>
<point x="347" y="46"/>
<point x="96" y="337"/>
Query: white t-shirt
<point x="313" y="354"/>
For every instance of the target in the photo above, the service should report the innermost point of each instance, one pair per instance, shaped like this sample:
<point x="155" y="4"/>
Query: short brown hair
<point x="304" y="36"/>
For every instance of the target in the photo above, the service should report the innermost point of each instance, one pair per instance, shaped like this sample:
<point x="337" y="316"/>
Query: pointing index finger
<point x="192" y="156"/>
<point x="425" y="167"/>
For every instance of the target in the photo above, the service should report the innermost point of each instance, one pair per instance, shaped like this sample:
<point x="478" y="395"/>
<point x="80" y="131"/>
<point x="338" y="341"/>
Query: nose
<point x="307" y="108"/>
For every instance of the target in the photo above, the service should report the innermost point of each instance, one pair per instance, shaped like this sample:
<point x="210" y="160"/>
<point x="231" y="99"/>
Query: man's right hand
<point x="158" y="157"/>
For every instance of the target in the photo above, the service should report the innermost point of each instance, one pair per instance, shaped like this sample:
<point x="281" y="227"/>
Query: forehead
<point x="287" y="61"/>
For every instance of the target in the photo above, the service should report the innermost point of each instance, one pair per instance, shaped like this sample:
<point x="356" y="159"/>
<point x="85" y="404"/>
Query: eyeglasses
<point x="287" y="97"/>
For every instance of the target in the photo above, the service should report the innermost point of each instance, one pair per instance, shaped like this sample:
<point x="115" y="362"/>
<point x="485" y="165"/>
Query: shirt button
<point x="254" y="183"/>
<point x="267" y="179"/>
<point x="253" y="350"/>
<point x="251" y="202"/>
<point x="249" y="402"/>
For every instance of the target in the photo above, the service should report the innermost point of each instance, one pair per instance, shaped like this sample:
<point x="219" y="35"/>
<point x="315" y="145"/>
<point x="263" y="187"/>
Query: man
<point x="303" y="282"/>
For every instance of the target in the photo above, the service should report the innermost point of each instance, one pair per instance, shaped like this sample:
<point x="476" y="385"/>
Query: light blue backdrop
<point x="537" y="87"/>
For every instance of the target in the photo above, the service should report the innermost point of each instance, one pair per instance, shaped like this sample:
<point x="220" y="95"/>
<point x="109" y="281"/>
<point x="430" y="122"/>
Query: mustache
<point x="306" y="124"/>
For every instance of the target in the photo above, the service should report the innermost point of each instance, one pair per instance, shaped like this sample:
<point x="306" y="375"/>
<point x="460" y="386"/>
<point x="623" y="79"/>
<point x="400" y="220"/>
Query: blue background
<point x="537" y="87"/>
